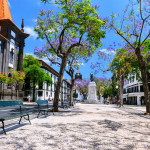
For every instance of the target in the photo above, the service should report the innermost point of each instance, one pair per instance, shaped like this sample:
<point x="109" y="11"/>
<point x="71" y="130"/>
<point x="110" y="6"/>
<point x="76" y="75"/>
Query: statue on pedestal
<point x="91" y="77"/>
<point x="92" y="92"/>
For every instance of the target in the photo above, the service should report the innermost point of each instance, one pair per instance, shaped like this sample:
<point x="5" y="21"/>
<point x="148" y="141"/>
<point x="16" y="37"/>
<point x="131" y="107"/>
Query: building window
<point x="11" y="56"/>
<point x="13" y="34"/>
<point x="46" y="93"/>
<point x="47" y="86"/>
<point x="141" y="88"/>
<point x="40" y="85"/>
<point x="40" y="93"/>
<point x="54" y="87"/>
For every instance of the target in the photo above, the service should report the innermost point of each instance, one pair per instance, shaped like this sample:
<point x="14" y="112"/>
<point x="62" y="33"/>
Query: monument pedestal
<point x="92" y="96"/>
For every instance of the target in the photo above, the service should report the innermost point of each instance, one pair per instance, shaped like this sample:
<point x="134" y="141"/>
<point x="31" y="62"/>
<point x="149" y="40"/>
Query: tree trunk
<point x="71" y="91"/>
<point x="121" y="90"/>
<point x="99" y="96"/>
<point x="84" y="96"/>
<point x="60" y="78"/>
<point x="144" y="76"/>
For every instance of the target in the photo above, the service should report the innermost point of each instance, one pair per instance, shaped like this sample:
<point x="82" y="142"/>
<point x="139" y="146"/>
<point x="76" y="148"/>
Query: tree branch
<point x="124" y="38"/>
<point x="145" y="39"/>
<point x="50" y="42"/>
<point x="72" y="46"/>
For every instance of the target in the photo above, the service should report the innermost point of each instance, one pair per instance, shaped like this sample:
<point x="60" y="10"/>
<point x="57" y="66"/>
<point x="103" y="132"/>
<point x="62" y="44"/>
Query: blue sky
<point x="29" y="9"/>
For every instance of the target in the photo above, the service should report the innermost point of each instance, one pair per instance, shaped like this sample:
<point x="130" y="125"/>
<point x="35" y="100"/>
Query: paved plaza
<point x="84" y="127"/>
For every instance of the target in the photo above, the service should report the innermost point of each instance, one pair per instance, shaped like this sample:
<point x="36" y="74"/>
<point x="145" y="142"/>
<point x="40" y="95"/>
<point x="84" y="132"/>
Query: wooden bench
<point x="43" y="107"/>
<point x="21" y="114"/>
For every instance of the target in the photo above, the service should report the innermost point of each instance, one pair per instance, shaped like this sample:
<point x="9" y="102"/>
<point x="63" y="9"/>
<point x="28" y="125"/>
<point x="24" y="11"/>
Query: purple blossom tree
<point x="134" y="29"/>
<point x="72" y="64"/>
<point x="82" y="87"/>
<point x="76" y="30"/>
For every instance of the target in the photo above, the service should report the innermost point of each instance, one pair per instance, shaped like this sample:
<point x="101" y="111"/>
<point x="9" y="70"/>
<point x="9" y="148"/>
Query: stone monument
<point x="92" y="96"/>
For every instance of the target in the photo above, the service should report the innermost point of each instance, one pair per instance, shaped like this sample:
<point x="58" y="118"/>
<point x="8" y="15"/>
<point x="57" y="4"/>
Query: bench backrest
<point x="10" y="103"/>
<point x="42" y="102"/>
<point x="65" y="100"/>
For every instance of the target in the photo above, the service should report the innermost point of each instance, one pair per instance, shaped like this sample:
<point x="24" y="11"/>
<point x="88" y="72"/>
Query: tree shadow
<point x="114" y="126"/>
<point x="133" y="111"/>
<point x="12" y="126"/>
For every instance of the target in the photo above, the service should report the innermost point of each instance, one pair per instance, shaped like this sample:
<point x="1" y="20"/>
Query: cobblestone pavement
<point x="84" y="127"/>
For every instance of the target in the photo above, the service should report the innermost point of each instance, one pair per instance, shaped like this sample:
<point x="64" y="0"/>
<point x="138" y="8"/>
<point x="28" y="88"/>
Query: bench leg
<point x="45" y="113"/>
<point x="3" y="127"/>
<point x="20" y="119"/>
<point x="29" y="119"/>
<point x="53" y="111"/>
<point x="38" y="114"/>
<point x="25" y="118"/>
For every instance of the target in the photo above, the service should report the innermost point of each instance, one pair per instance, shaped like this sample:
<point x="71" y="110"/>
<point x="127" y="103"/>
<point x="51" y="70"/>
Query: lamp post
<point x="117" y="94"/>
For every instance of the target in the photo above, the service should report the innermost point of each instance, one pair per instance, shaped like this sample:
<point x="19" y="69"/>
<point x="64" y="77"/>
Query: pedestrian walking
<point x="28" y="98"/>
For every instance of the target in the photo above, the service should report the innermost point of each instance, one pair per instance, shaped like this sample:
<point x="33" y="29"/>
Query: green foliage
<point x="101" y="84"/>
<point x="114" y="84"/>
<point x="3" y="77"/>
<point x="16" y="77"/>
<point x="77" y="21"/>
<point x="123" y="63"/>
<point x="29" y="60"/>
<point x="48" y="79"/>
<point x="107" y="92"/>
<point x="75" y="95"/>
<point x="34" y="72"/>
<point x="74" y="30"/>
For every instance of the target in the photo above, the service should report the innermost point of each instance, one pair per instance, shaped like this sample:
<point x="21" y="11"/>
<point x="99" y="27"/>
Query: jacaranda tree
<point x="82" y="87"/>
<point x="75" y="29"/>
<point x="134" y="29"/>
<point x="121" y="66"/>
<point x="72" y="64"/>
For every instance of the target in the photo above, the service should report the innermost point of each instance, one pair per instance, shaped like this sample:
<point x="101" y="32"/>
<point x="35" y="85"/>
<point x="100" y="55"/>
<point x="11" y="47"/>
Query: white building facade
<point x="45" y="92"/>
<point x="133" y="91"/>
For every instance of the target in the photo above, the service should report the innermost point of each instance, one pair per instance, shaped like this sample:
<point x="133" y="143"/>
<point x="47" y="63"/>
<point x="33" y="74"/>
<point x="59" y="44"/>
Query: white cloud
<point x="34" y="20"/>
<point x="30" y="30"/>
<point x="107" y="51"/>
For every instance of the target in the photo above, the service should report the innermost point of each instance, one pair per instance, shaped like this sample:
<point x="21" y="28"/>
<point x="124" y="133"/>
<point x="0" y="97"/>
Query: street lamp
<point x="117" y="93"/>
